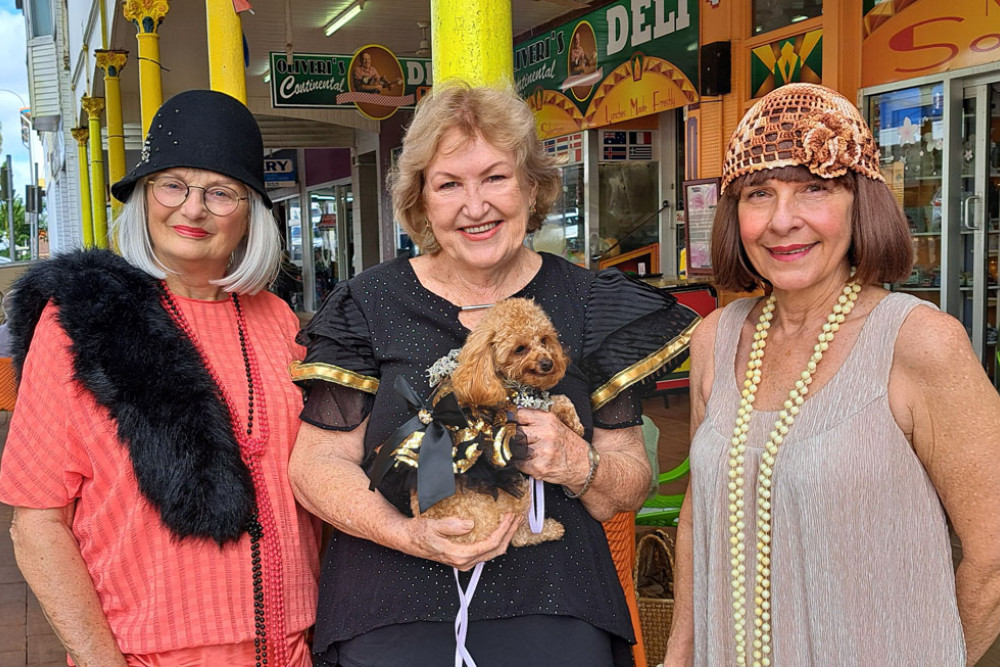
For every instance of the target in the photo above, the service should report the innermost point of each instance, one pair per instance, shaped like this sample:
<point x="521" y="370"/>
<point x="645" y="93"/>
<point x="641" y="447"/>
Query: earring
<point x="531" y="209"/>
<point x="428" y="242"/>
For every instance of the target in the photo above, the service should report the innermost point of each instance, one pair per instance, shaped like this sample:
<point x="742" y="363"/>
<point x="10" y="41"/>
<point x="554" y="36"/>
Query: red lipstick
<point x="190" y="232"/>
<point x="790" y="253"/>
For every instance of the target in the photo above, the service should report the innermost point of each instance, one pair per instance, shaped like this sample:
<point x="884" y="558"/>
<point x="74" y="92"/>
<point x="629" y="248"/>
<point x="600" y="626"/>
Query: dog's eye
<point x="520" y="349"/>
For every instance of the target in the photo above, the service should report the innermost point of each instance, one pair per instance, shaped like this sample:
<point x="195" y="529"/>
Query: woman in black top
<point x="471" y="182"/>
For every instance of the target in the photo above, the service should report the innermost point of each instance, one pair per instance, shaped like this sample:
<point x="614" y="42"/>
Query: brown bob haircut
<point x="880" y="250"/>
<point x="497" y="115"/>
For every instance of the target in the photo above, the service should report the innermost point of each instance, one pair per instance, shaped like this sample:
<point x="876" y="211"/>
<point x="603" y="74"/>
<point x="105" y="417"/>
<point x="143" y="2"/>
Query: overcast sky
<point x="14" y="77"/>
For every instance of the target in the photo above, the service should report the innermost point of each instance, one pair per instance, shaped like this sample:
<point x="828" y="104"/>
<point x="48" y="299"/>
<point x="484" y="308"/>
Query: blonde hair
<point x="502" y="119"/>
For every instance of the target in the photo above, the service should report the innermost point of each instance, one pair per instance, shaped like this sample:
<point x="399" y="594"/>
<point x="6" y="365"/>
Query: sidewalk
<point x="25" y="635"/>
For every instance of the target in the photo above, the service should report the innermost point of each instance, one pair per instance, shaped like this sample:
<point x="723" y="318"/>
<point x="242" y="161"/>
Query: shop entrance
<point x="940" y="154"/>
<point x="980" y="218"/>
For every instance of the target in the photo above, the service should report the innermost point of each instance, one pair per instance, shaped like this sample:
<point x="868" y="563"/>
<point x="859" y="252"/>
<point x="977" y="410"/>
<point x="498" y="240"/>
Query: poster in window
<point x="700" y="199"/>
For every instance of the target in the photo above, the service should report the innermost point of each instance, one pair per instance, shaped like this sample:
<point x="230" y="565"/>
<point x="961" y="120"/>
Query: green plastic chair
<point x="664" y="510"/>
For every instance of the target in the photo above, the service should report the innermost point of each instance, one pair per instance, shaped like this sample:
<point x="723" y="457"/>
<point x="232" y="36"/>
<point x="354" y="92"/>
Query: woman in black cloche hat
<point x="147" y="460"/>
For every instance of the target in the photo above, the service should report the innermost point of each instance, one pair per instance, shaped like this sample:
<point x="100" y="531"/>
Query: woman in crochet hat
<point x="833" y="430"/>
<point x="147" y="461"/>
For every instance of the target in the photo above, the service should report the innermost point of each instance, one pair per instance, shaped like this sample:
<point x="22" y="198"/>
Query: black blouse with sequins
<point x="384" y="323"/>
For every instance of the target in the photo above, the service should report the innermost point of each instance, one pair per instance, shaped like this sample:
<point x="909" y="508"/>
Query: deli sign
<point x="928" y="37"/>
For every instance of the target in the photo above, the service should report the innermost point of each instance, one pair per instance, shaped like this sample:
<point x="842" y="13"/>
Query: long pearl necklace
<point x="737" y="514"/>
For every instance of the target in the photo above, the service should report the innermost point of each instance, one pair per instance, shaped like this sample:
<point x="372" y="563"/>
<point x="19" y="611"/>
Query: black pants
<point x="526" y="641"/>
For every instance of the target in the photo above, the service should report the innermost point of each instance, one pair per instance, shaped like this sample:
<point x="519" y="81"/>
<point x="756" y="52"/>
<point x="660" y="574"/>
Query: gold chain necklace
<point x="737" y="514"/>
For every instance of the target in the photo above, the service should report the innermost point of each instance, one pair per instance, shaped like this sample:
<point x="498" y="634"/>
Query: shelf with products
<point x="908" y="287"/>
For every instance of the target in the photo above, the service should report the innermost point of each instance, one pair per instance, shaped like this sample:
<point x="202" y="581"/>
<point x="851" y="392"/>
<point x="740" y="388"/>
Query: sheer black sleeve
<point x="340" y="375"/>
<point x="635" y="335"/>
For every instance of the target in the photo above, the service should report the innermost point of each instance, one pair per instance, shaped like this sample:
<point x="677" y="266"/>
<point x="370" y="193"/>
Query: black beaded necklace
<point x="254" y="527"/>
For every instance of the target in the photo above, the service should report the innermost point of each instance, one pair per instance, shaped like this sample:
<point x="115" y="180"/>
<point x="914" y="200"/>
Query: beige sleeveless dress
<point x="861" y="559"/>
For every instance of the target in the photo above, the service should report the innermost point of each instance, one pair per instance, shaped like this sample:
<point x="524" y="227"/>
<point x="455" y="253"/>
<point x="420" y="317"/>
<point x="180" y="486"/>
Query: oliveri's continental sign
<point x="372" y="80"/>
<point x="628" y="59"/>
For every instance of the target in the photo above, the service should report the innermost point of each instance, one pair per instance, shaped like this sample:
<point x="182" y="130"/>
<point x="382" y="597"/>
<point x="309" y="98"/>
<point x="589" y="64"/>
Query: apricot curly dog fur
<point x="515" y="344"/>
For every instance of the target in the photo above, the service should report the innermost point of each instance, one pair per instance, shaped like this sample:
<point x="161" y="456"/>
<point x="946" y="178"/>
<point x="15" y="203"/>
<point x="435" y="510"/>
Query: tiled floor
<point x="25" y="635"/>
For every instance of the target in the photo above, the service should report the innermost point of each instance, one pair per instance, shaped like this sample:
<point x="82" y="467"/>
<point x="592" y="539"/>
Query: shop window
<point x="628" y="232"/>
<point x="770" y="15"/>
<point x="629" y="203"/>
<point x="324" y="238"/>
<point x="563" y="230"/>
<point x="288" y="283"/>
<point x="909" y="127"/>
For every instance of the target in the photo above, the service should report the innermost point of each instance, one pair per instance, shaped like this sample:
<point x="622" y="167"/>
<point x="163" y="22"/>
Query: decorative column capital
<point x="145" y="15"/>
<point x="81" y="134"/>
<point x="92" y="105"/>
<point x="111" y="61"/>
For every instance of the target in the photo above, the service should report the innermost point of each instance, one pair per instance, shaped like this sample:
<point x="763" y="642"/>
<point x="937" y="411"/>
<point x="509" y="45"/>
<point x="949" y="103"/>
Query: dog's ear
<point x="475" y="380"/>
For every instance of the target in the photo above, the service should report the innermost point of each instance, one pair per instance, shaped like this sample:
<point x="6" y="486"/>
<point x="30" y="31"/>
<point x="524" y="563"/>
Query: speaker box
<point x="716" y="68"/>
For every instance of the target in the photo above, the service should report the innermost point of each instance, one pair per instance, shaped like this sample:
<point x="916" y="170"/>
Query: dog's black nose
<point x="545" y="365"/>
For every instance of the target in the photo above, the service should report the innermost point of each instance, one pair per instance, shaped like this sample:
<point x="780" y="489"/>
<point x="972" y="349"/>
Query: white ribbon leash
<point x="536" y="514"/>
<point x="462" y="656"/>
<point x="536" y="520"/>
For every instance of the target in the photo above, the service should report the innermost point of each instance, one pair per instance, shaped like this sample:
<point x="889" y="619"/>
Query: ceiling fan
<point x="423" y="49"/>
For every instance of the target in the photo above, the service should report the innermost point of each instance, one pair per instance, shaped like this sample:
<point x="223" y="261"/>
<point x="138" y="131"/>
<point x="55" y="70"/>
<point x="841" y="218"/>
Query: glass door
<point x="940" y="155"/>
<point x="332" y="256"/>
<point x="909" y="128"/>
<point x="979" y="215"/>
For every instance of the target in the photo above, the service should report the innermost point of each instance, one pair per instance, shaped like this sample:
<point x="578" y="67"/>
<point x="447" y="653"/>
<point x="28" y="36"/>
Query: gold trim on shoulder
<point x="643" y="368"/>
<point x="318" y="371"/>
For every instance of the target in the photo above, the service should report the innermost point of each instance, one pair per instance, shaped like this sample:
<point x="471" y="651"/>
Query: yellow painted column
<point x="472" y="40"/>
<point x="86" y="217"/>
<point x="94" y="106"/>
<point x="112" y="63"/>
<point x="146" y="16"/>
<point x="225" y="49"/>
<point x="102" y="7"/>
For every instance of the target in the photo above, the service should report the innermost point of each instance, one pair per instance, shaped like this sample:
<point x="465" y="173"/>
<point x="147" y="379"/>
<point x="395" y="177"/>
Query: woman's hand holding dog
<point x="429" y="539"/>
<point x="558" y="455"/>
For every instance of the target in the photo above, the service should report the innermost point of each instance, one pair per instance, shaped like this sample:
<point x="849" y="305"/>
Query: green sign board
<point x="372" y="80"/>
<point x="627" y="59"/>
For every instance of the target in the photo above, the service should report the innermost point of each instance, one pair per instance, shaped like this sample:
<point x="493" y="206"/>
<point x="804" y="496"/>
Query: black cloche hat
<point x="201" y="129"/>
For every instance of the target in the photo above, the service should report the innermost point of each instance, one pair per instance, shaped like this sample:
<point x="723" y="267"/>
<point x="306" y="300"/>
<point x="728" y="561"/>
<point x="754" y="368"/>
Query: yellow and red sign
<point x="905" y="39"/>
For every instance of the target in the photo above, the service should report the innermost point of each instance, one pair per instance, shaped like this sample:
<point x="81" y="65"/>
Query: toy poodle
<point x="509" y="361"/>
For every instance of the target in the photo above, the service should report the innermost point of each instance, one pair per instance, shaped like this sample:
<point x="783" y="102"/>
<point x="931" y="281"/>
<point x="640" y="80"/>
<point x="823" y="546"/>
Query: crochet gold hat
<point x="802" y="124"/>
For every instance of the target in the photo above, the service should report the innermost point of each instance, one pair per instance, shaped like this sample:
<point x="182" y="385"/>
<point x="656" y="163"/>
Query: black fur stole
<point x="129" y="353"/>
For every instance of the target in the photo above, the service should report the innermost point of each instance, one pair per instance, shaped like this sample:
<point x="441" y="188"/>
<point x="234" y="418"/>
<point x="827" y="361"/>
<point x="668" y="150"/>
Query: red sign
<point x="925" y="37"/>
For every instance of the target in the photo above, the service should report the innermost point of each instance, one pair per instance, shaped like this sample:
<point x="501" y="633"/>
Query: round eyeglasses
<point x="218" y="199"/>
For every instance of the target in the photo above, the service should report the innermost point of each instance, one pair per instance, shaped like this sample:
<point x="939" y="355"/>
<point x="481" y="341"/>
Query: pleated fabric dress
<point x="862" y="570"/>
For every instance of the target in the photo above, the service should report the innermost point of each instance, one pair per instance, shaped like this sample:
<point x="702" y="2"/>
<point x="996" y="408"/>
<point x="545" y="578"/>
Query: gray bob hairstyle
<point x="502" y="119"/>
<point x="254" y="263"/>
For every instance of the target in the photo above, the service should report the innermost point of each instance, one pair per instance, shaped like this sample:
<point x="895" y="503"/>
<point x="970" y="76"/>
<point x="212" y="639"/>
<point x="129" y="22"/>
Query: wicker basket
<point x="655" y="559"/>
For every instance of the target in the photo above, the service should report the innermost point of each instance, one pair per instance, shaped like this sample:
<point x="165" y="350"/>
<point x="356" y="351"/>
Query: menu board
<point x="700" y="199"/>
